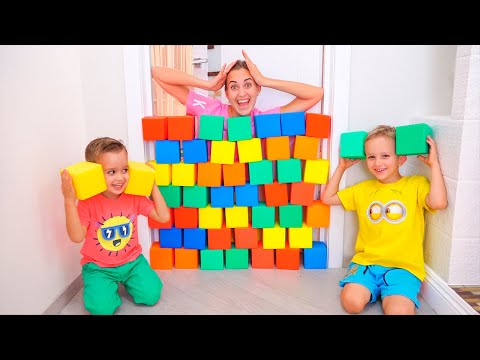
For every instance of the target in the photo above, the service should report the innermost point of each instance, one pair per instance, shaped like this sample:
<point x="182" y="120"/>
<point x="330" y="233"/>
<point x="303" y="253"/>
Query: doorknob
<point x="199" y="61"/>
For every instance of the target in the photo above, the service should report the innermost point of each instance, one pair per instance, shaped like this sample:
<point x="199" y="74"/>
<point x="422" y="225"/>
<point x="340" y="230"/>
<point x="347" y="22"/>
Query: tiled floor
<point x="471" y="294"/>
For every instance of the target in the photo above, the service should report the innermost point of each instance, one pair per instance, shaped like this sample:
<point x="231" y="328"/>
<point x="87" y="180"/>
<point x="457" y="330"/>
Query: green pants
<point x="100" y="292"/>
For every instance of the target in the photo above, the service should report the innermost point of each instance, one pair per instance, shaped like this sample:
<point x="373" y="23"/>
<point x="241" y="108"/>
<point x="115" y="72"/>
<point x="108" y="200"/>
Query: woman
<point x="243" y="83"/>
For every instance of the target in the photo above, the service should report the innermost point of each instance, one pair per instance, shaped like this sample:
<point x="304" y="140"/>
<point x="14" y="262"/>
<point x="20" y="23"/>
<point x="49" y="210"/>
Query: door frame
<point x="336" y="84"/>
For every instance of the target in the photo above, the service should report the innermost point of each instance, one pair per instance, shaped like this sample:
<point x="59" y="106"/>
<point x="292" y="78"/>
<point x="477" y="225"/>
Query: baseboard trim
<point x="65" y="297"/>
<point x="441" y="298"/>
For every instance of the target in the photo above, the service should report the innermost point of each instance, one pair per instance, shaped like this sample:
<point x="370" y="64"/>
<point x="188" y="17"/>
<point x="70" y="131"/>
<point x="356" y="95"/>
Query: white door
<point x="200" y="64"/>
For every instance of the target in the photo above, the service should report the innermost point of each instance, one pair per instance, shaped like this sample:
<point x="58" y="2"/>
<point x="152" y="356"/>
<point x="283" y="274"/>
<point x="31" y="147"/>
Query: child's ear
<point x="401" y="160"/>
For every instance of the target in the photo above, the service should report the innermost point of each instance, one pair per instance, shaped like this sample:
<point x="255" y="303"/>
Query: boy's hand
<point x="432" y="157"/>
<point x="68" y="190"/>
<point x="219" y="81"/>
<point x="256" y="74"/>
<point x="345" y="163"/>
<point x="154" y="182"/>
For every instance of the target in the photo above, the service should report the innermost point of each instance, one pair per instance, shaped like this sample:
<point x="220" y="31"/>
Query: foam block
<point x="87" y="178"/>
<point x="317" y="125"/>
<point x="142" y="178"/>
<point x="352" y="144"/>
<point x="411" y="139"/>
<point x="154" y="128"/>
<point x="239" y="128"/>
<point x="161" y="258"/>
<point x="316" y="256"/>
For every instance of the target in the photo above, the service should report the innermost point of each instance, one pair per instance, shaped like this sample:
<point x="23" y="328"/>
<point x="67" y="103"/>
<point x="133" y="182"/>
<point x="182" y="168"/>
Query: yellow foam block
<point x="163" y="173"/>
<point x="236" y="217"/>
<point x="316" y="171"/>
<point x="210" y="218"/>
<point x="184" y="174"/>
<point x="300" y="238"/>
<point x="142" y="178"/>
<point x="88" y="179"/>
<point x="222" y="152"/>
<point x="249" y="150"/>
<point x="274" y="238"/>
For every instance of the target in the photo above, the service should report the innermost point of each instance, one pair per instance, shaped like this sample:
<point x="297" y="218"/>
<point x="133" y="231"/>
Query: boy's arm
<point x="329" y="194"/>
<point x="437" y="197"/>
<point x="177" y="83"/>
<point x="161" y="212"/>
<point x="75" y="230"/>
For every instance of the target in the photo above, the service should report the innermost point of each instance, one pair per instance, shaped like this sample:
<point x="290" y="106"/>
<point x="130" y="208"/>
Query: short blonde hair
<point x="102" y="145"/>
<point x="382" y="130"/>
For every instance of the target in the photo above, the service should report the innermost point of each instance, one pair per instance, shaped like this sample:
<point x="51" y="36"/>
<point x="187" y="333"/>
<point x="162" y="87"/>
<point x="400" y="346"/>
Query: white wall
<point x="53" y="100"/>
<point x="393" y="84"/>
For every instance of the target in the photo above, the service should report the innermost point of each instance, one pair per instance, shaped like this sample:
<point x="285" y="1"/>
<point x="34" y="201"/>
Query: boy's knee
<point x="152" y="296"/>
<point x="101" y="309"/>
<point x="351" y="303"/>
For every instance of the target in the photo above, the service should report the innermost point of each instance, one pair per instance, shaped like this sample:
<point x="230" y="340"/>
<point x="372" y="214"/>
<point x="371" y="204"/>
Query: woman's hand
<point x="256" y="74"/>
<point x="219" y="81"/>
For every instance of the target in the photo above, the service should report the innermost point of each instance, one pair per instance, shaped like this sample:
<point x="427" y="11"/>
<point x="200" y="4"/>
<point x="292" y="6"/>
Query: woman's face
<point x="241" y="91"/>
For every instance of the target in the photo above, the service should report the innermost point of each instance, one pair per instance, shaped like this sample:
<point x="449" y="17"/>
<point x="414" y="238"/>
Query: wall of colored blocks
<point x="409" y="140"/>
<point x="244" y="201"/>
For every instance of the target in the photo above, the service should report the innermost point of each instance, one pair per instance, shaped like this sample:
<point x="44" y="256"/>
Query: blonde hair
<point x="382" y="130"/>
<point x="102" y="145"/>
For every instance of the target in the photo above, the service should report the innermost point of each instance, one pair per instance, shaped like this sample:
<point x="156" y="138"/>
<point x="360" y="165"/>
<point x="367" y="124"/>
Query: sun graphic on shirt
<point x="114" y="234"/>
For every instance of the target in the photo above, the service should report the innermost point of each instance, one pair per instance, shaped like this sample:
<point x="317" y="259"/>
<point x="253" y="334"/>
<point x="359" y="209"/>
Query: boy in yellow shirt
<point x="388" y="260"/>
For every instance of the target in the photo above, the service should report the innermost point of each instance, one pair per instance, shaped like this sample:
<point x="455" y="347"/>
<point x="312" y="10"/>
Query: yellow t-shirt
<point x="391" y="222"/>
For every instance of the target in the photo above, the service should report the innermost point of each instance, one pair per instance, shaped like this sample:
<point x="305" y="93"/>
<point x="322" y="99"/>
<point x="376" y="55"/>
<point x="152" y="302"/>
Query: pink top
<point x="198" y="104"/>
<point x="112" y="235"/>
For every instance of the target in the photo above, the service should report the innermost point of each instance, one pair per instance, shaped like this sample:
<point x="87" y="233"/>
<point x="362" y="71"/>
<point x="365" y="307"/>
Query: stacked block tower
<point x="248" y="200"/>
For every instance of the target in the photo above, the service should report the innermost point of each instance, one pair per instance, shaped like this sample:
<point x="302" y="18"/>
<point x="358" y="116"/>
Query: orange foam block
<point x="234" y="174"/>
<point x="185" y="217"/>
<point x="317" y="125"/>
<point x="153" y="224"/>
<point x="277" y="148"/>
<point x="302" y="193"/>
<point x="317" y="215"/>
<point x="276" y="194"/>
<point x="161" y="258"/>
<point x="209" y="174"/>
<point x="247" y="238"/>
<point x="181" y="127"/>
<point x="154" y="128"/>
<point x="219" y="239"/>
<point x="306" y="148"/>
<point x="186" y="258"/>
<point x="262" y="258"/>
<point x="287" y="258"/>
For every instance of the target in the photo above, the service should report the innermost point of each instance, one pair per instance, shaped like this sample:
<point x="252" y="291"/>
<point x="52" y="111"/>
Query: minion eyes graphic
<point x="393" y="212"/>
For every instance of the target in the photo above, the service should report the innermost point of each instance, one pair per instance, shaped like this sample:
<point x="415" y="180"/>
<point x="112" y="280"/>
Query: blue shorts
<point x="384" y="281"/>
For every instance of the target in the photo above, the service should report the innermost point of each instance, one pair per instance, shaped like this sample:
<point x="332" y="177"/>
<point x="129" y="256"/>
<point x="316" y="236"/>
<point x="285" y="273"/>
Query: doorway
<point x="330" y="66"/>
